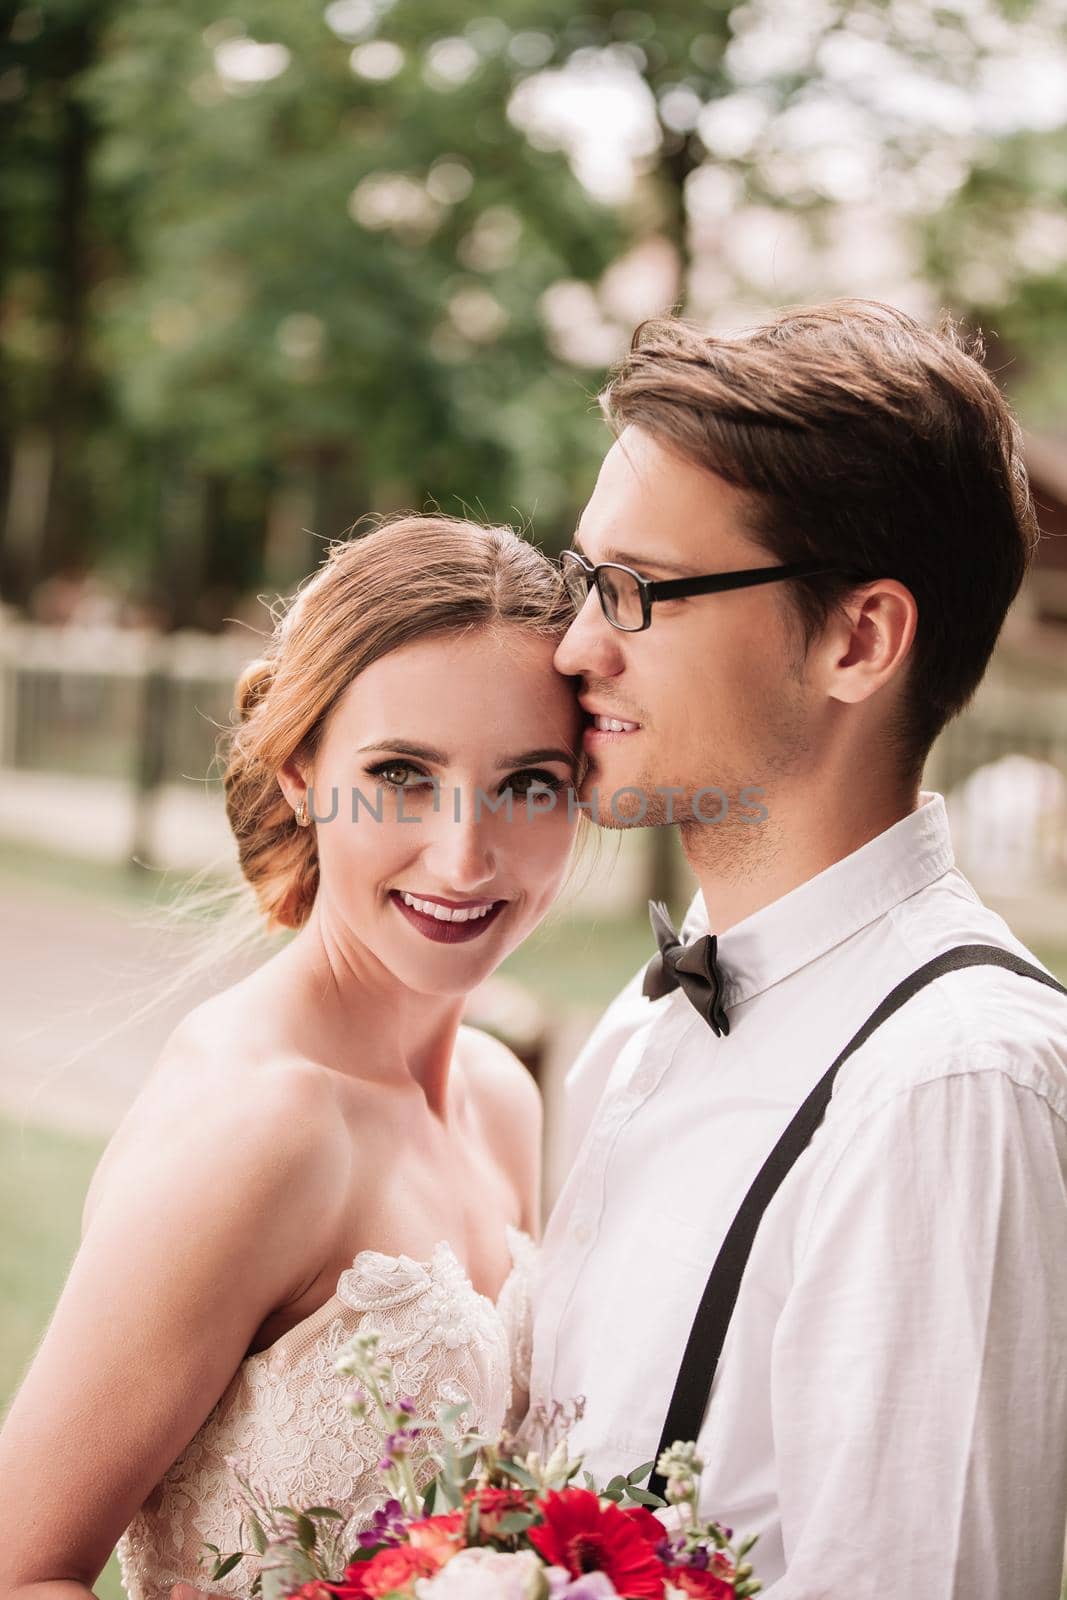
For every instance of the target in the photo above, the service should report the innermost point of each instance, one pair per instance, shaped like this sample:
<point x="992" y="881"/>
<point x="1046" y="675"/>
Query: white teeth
<point x="430" y="908"/>
<point x="613" y="725"/>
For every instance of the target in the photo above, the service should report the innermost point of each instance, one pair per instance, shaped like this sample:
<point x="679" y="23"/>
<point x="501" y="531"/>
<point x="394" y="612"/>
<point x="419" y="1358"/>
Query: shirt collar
<point x="798" y="927"/>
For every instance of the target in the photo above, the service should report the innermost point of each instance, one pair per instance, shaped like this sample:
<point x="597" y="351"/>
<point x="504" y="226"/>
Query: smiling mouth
<point x="446" y="921"/>
<point x="600" y="731"/>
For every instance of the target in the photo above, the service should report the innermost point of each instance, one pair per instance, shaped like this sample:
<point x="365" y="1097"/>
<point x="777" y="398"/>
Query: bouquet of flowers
<point x="493" y="1523"/>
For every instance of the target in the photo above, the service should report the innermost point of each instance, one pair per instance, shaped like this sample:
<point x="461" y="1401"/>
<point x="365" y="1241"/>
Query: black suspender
<point x="685" y="1415"/>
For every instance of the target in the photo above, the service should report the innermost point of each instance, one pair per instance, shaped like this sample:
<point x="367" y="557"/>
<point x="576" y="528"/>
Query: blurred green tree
<point x="262" y="272"/>
<point x="56" y="236"/>
<point x="340" y="253"/>
<point x="998" y="251"/>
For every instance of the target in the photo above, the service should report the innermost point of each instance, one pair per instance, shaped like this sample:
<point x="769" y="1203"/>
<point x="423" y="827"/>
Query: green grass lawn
<point x="43" y="1179"/>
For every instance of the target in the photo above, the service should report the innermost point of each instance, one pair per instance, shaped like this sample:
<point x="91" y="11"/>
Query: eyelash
<point x="546" y="780"/>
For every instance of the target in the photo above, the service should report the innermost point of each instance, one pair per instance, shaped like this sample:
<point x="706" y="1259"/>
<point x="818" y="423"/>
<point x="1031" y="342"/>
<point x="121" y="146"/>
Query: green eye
<point x="397" y="774"/>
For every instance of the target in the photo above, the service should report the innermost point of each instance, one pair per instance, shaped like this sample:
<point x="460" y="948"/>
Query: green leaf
<point x="453" y="1495"/>
<point x="325" y="1511"/>
<point x="516" y="1522"/>
<point x="276" y="1583"/>
<point x="306" y="1532"/>
<point x="223" y="1567"/>
<point x="303" y="1566"/>
<point x="643" y="1497"/>
<point x="513" y="1470"/>
<point x="255" y="1528"/>
<point x="639" y="1474"/>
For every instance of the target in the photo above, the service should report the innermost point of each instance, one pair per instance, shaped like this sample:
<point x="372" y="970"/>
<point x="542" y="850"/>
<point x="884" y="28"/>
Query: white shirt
<point x="890" y="1410"/>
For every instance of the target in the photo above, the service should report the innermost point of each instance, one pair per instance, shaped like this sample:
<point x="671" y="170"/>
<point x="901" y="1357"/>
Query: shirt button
<point x="644" y="1080"/>
<point x="583" y="1233"/>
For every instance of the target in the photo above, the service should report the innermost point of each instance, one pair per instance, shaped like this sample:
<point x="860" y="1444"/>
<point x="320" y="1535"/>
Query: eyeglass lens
<point x="619" y="593"/>
<point x="620" y="596"/>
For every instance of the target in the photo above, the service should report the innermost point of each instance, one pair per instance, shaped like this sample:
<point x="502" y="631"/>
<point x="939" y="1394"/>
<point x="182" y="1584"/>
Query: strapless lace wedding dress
<point x="283" y="1413"/>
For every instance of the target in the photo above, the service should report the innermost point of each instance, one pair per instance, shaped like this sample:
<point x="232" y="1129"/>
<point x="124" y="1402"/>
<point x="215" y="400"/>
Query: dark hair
<point x="866" y="438"/>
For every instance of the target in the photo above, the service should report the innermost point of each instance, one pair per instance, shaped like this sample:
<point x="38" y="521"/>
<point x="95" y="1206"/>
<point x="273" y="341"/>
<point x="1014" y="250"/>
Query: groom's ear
<point x="293" y="778"/>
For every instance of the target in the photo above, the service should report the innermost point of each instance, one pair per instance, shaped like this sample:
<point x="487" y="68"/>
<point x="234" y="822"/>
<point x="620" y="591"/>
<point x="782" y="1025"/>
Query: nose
<point x="459" y="850"/>
<point x="590" y="645"/>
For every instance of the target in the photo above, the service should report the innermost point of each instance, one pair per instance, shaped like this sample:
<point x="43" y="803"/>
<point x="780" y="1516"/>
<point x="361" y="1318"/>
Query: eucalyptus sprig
<point x="293" y="1546"/>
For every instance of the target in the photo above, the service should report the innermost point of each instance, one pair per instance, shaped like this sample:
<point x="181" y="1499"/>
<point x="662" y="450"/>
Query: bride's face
<point x="449" y="768"/>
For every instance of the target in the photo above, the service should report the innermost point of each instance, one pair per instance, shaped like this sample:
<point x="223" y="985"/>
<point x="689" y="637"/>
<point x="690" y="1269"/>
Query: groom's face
<point x="712" y="693"/>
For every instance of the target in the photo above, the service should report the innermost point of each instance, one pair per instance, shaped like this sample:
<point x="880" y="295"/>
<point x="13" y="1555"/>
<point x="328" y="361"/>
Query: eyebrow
<point x="425" y="752"/>
<point x="626" y="558"/>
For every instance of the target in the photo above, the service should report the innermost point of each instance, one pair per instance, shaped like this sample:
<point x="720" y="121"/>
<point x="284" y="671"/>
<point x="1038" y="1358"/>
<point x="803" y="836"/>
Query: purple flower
<point x="386" y="1526"/>
<point x="396" y="1445"/>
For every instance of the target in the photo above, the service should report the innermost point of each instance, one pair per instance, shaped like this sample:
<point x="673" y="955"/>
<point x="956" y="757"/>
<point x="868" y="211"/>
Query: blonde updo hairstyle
<point x="411" y="577"/>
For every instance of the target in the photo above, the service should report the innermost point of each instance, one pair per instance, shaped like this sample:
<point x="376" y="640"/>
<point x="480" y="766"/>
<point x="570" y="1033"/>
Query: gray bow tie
<point x="690" y="967"/>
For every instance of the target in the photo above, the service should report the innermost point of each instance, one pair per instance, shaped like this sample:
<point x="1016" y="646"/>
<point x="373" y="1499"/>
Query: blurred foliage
<point x="1000" y="248"/>
<point x="263" y="272"/>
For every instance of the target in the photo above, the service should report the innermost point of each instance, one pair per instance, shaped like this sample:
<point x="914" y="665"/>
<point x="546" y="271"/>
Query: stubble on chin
<point x="737" y="844"/>
<point x="645" y="800"/>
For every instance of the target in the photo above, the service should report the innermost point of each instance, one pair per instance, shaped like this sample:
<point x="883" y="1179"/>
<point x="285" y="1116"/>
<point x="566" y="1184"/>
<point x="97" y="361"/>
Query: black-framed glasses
<point x="626" y="598"/>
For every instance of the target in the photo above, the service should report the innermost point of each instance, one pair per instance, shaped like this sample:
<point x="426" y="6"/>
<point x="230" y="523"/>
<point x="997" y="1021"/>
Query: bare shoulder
<point x="212" y="1115"/>
<point x="214" y="1206"/>
<point x="504" y="1085"/>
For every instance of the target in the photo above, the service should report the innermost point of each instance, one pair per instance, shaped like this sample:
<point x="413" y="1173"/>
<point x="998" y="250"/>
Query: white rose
<point x="484" y="1575"/>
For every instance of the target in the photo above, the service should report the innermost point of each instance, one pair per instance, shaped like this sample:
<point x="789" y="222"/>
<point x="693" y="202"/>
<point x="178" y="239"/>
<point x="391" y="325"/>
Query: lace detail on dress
<point x="283" y="1413"/>
<point x="515" y="1308"/>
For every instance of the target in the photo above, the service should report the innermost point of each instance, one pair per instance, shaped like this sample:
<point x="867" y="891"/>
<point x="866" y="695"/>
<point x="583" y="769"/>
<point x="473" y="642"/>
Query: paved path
<point x="75" y="972"/>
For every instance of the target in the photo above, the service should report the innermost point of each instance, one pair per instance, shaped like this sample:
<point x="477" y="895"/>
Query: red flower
<point x="584" y="1536"/>
<point x="650" y="1527"/>
<point x="494" y="1504"/>
<point x="440" y="1537"/>
<point x="395" y="1568"/>
<point x="707" y="1585"/>
<point x="350" y="1587"/>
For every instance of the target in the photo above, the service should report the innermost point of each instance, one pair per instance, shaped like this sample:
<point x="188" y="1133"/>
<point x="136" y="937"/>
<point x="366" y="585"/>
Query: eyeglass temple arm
<point x="664" y="589"/>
